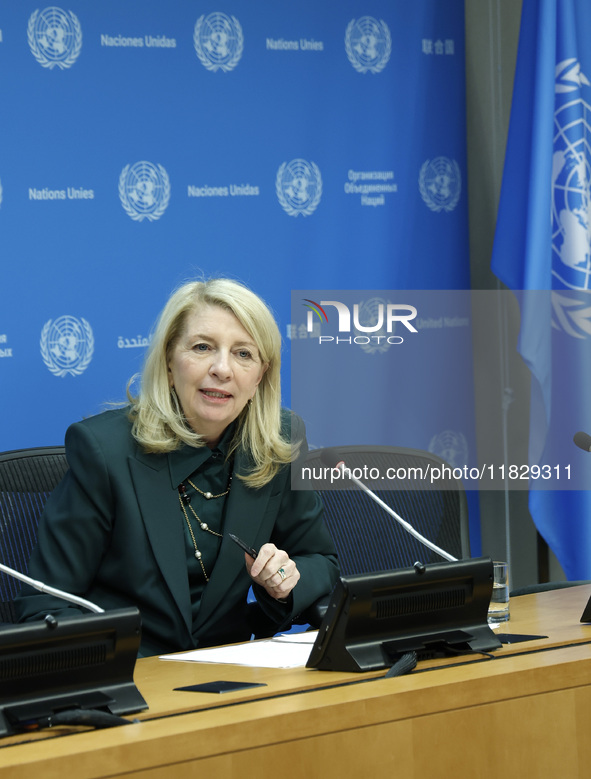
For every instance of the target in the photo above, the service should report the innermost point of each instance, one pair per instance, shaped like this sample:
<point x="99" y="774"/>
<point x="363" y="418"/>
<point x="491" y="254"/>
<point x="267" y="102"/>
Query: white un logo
<point x="218" y="41"/>
<point x="440" y="184"/>
<point x="144" y="190"/>
<point x="55" y="37"/>
<point x="571" y="201"/>
<point x="67" y="345"/>
<point x="571" y="178"/>
<point x="451" y="446"/>
<point x="368" y="44"/>
<point x="372" y="334"/>
<point x="299" y="187"/>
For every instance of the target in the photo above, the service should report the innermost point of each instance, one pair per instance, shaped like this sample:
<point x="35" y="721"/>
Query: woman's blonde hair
<point x="158" y="420"/>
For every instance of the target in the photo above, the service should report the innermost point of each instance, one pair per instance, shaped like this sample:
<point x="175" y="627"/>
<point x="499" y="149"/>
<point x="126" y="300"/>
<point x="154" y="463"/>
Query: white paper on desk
<point x="306" y="637"/>
<point x="286" y="651"/>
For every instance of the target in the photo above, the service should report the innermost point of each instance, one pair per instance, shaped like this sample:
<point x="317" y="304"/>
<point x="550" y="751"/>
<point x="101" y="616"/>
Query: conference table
<point x="525" y="712"/>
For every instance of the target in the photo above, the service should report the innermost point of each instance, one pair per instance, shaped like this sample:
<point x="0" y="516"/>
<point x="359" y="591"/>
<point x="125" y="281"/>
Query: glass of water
<point x="498" y="610"/>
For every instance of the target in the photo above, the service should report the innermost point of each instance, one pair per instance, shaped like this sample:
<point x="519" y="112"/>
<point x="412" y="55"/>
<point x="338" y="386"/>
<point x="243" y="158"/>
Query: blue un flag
<point x="543" y="243"/>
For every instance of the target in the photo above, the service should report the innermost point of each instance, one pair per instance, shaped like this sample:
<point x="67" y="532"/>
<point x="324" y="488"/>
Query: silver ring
<point x="281" y="573"/>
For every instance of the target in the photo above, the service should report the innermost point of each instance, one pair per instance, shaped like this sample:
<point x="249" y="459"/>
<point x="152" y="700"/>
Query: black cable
<point x="91" y="718"/>
<point x="452" y="651"/>
<point x="404" y="665"/>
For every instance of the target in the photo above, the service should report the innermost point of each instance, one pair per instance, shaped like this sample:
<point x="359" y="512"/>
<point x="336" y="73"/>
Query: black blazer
<point x="112" y="532"/>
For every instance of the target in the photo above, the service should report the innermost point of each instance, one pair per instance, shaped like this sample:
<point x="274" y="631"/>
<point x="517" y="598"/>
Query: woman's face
<point x="215" y="369"/>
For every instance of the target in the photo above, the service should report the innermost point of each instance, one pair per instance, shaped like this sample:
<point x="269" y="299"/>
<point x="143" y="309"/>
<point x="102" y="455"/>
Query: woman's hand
<point x="274" y="570"/>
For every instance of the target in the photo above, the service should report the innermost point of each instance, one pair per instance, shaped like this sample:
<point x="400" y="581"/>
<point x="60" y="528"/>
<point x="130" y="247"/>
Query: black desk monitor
<point x="374" y="618"/>
<point x="84" y="662"/>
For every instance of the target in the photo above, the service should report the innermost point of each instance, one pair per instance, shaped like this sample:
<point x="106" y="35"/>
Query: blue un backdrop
<point x="292" y="146"/>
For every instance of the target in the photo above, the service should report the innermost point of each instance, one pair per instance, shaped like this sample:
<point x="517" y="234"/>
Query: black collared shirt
<point x="211" y="473"/>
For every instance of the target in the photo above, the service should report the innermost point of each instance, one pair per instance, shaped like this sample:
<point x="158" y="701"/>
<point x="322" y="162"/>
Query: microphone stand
<point x="37" y="585"/>
<point x="409" y="528"/>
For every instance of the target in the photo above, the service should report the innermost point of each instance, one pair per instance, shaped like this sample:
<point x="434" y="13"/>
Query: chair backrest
<point x="27" y="477"/>
<point x="366" y="537"/>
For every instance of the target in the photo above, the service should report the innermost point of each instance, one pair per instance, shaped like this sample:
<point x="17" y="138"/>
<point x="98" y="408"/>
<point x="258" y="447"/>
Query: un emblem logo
<point x="440" y="184"/>
<point x="451" y="446"/>
<point x="218" y="41"/>
<point x="144" y="190"/>
<point x="371" y="312"/>
<point x="67" y="345"/>
<point x="571" y="180"/>
<point x="299" y="187"/>
<point x="368" y="44"/>
<point x="55" y="37"/>
<point x="571" y="203"/>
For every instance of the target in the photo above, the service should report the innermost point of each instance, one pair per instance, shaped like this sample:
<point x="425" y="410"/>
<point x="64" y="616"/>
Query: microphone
<point x="332" y="458"/>
<point x="583" y="441"/>
<point x="51" y="590"/>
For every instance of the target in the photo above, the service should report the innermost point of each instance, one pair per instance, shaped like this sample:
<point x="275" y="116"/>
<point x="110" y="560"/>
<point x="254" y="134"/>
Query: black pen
<point x="245" y="548"/>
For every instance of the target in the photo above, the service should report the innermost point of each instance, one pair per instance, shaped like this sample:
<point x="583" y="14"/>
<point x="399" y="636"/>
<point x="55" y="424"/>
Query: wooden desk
<point x="526" y="713"/>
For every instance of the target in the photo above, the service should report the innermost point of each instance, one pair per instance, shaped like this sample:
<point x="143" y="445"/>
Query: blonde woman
<point x="144" y="515"/>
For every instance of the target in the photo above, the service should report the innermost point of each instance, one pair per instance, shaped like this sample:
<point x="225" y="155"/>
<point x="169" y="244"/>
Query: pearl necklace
<point x="185" y="500"/>
<point x="208" y="495"/>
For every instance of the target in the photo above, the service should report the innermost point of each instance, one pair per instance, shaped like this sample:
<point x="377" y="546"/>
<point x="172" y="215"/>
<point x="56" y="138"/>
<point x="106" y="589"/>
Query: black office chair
<point x="27" y="477"/>
<point x="366" y="537"/>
